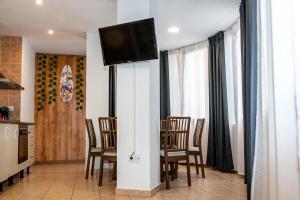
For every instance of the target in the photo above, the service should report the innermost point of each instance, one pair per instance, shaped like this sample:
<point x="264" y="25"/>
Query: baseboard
<point x="58" y="162"/>
<point x="138" y="193"/>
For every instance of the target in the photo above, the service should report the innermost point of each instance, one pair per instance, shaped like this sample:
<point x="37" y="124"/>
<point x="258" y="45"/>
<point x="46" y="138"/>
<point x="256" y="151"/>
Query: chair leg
<point x="101" y="172"/>
<point x="114" y="171"/>
<point x="88" y="167"/>
<point x="188" y="169"/>
<point x="93" y="164"/>
<point x="202" y="165"/>
<point x="161" y="172"/>
<point x="167" y="174"/>
<point x="172" y="166"/>
<point x="196" y="163"/>
<point x="176" y="170"/>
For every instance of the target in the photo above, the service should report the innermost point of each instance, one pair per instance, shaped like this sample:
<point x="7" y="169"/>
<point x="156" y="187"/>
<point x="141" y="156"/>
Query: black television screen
<point x="129" y="42"/>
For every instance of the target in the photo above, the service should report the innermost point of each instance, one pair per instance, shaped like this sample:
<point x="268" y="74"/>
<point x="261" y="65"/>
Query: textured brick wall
<point x="10" y="66"/>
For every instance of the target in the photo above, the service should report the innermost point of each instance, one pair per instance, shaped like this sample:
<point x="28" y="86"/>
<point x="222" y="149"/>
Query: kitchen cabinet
<point x="2" y="153"/>
<point x="9" y="138"/>
<point x="12" y="141"/>
<point x="9" y="150"/>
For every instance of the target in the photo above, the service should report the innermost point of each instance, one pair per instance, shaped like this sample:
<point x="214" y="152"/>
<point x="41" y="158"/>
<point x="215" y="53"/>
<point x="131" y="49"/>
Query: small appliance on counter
<point x="4" y="113"/>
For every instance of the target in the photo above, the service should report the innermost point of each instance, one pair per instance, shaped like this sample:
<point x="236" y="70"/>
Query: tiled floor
<point x="66" y="181"/>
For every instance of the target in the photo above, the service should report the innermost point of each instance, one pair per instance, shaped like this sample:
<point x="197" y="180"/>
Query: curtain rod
<point x="190" y="47"/>
<point x="237" y="21"/>
<point x="200" y="44"/>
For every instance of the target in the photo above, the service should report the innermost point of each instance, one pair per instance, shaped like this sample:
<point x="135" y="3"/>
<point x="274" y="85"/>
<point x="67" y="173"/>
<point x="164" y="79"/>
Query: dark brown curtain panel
<point x="164" y="85"/>
<point x="248" y="19"/>
<point x="219" y="147"/>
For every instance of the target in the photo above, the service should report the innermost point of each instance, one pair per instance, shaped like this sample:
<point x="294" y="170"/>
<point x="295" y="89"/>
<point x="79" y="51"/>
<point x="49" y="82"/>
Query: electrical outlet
<point x="134" y="158"/>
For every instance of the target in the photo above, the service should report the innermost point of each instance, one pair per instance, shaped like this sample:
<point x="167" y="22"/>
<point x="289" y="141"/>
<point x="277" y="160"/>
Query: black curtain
<point x="248" y="18"/>
<point x="219" y="148"/>
<point x="112" y="92"/>
<point x="164" y="85"/>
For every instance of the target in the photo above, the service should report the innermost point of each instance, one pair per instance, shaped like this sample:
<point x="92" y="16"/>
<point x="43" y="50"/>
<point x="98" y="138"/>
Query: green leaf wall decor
<point x="79" y="83"/>
<point x="48" y="82"/>
<point x="41" y="81"/>
<point x="52" y="79"/>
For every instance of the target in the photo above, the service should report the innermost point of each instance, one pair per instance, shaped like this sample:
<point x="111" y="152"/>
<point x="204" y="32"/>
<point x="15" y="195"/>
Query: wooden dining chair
<point x="163" y="127"/>
<point x="173" y="165"/>
<point x="93" y="150"/>
<point x="108" y="133"/>
<point x="176" y="146"/>
<point x="196" y="150"/>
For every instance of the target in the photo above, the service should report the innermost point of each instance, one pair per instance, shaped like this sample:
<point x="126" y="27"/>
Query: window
<point x="189" y="81"/>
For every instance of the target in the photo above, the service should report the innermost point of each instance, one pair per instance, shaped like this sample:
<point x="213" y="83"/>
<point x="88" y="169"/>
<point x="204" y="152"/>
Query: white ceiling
<point x="71" y="19"/>
<point x="197" y="20"/>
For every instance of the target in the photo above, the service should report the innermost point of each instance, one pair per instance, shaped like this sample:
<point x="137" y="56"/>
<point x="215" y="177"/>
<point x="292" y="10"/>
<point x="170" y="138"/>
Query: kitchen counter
<point x="16" y="122"/>
<point x="16" y="148"/>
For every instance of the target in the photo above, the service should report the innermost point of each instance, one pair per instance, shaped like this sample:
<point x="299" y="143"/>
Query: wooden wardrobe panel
<point x="60" y="127"/>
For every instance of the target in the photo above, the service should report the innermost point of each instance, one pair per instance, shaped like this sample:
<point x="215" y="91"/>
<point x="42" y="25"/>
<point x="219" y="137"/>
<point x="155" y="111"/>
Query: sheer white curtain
<point x="195" y="65"/>
<point x="264" y="181"/>
<point x="234" y="94"/>
<point x="188" y="69"/>
<point x="296" y="61"/>
<point x="276" y="163"/>
<point x="176" y="79"/>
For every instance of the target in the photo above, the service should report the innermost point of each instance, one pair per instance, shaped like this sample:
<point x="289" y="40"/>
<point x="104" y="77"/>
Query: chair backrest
<point x="198" y="132"/>
<point x="108" y="133"/>
<point x="91" y="133"/>
<point x="177" y="138"/>
<point x="163" y="124"/>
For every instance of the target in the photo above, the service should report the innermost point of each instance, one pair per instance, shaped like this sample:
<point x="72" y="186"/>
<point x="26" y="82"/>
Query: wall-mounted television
<point x="129" y="42"/>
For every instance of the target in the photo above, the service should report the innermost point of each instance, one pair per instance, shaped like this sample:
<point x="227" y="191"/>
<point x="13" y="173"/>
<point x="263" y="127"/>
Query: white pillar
<point x="138" y="111"/>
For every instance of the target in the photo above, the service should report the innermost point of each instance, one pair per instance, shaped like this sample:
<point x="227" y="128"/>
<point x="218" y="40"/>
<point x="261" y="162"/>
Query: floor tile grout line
<point x="48" y="189"/>
<point x="75" y="182"/>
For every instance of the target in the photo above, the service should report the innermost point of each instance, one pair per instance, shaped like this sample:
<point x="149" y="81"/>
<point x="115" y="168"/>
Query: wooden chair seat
<point x="96" y="150"/>
<point x="110" y="154"/>
<point x="175" y="153"/>
<point x="193" y="149"/>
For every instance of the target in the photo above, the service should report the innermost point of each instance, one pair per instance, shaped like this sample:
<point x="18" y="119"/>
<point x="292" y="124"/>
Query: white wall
<point x="96" y="84"/>
<point x="28" y="82"/>
<point x="138" y="111"/>
<point x="284" y="64"/>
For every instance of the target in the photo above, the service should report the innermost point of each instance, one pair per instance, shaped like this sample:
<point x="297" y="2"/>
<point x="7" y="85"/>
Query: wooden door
<point x="60" y="127"/>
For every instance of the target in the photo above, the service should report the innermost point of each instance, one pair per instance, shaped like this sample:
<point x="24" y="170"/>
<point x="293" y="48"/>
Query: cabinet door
<point x="9" y="143"/>
<point x="5" y="151"/>
<point x="13" y="134"/>
<point x="14" y="148"/>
